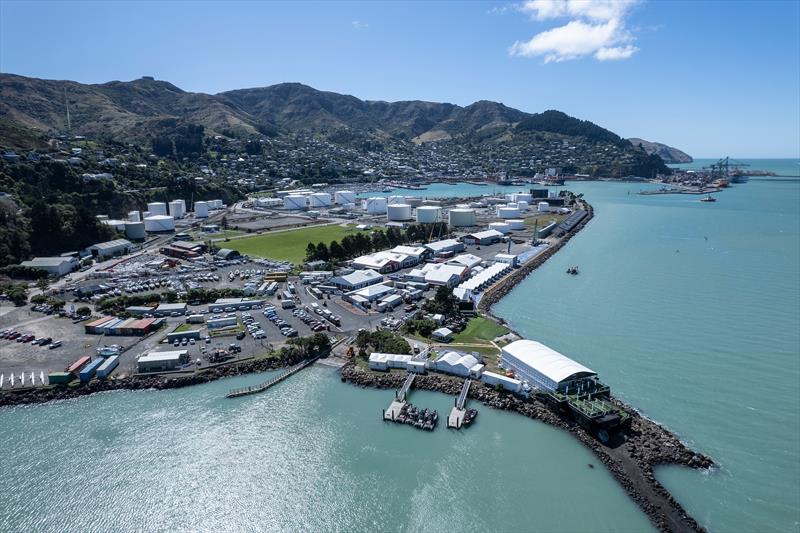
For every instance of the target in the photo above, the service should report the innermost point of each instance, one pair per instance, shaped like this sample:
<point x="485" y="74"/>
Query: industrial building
<point x="439" y="274"/>
<point x="543" y="368"/>
<point x="446" y="246"/>
<point x="357" y="280"/>
<point x="54" y="266"/>
<point x="459" y="364"/>
<point x="387" y="261"/>
<point x="171" y="309"/>
<point x="370" y="293"/>
<point x="237" y="304"/>
<point x="386" y="361"/>
<point x="442" y="335"/>
<point x="227" y="254"/>
<point x="489" y="236"/>
<point x="104" y="250"/>
<point x="162" y="361"/>
<point x="492" y="379"/>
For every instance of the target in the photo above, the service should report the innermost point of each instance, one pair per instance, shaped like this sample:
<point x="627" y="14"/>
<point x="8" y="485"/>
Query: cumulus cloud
<point x="596" y="28"/>
<point x="360" y="25"/>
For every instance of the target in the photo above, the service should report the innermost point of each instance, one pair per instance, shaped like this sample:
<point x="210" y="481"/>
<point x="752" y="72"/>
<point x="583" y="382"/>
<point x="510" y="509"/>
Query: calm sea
<point x="690" y="311"/>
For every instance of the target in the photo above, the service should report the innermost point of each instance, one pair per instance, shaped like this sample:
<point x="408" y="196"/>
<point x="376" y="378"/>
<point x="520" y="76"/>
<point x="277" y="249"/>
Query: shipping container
<point x="59" y="378"/>
<point x="107" y="367"/>
<point x="75" y="367"/>
<point x="89" y="370"/>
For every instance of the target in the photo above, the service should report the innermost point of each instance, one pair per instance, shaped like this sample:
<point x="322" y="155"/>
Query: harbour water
<point x="311" y="454"/>
<point x="689" y="310"/>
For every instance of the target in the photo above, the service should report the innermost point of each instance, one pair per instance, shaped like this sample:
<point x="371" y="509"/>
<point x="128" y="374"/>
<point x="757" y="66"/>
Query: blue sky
<point x="712" y="78"/>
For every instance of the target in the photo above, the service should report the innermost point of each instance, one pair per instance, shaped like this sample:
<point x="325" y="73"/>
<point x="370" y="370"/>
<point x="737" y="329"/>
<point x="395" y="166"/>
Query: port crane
<point x="726" y="168"/>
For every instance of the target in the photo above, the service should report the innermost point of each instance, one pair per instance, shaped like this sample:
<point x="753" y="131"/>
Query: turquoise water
<point x="691" y="312"/>
<point x="309" y="455"/>
<point x="781" y="167"/>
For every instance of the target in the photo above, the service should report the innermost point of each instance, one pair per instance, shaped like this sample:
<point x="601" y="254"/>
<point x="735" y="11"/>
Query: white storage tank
<point x="523" y="197"/>
<point x="543" y="207"/>
<point x="508" y="212"/>
<point x="394" y="200"/>
<point x="522" y="205"/>
<point x="431" y="202"/>
<point x="320" y="199"/>
<point x="502" y="227"/>
<point x="159" y="223"/>
<point x="215" y="204"/>
<point x="516" y="224"/>
<point x="428" y="214"/>
<point x="176" y="208"/>
<point x="134" y="216"/>
<point x="413" y="201"/>
<point x="118" y="225"/>
<point x="462" y="217"/>
<point x="345" y="197"/>
<point x="157" y="208"/>
<point x="375" y="206"/>
<point x="295" y="202"/>
<point x="398" y="212"/>
<point x="134" y="230"/>
<point x="146" y="214"/>
<point x="201" y="209"/>
<point x="101" y="217"/>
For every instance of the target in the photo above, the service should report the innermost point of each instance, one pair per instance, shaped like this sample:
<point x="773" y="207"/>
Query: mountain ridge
<point x="669" y="154"/>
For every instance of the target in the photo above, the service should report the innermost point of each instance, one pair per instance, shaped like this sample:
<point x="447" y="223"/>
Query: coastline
<point x="630" y="462"/>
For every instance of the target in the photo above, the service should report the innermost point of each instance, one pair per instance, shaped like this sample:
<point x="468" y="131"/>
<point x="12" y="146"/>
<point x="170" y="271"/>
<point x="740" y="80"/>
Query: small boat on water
<point x="708" y="198"/>
<point x="573" y="271"/>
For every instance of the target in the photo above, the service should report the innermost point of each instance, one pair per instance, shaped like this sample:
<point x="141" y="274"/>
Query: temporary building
<point x="542" y="367"/>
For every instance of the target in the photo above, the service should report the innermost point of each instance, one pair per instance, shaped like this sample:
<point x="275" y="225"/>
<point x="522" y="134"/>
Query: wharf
<point x="681" y="190"/>
<point x="401" y="411"/>
<point x="459" y="416"/>
<point x="246" y="391"/>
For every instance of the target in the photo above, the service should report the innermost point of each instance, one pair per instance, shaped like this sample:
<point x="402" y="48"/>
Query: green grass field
<point x="289" y="245"/>
<point x="479" y="329"/>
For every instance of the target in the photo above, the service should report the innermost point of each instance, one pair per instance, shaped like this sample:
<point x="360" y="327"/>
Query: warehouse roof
<point x="439" y="246"/>
<point x="154" y="357"/>
<point x="546" y="361"/>
<point x="361" y="276"/>
<point x="47" y="261"/>
<point x="110" y="245"/>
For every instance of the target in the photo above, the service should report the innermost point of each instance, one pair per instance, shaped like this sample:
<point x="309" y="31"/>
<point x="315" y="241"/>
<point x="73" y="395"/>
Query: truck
<point x="195" y="319"/>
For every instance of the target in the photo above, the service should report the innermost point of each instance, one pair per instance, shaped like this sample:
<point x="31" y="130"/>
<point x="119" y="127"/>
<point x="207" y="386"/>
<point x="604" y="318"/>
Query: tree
<point x="337" y="252"/>
<point x="224" y="222"/>
<point x="322" y="252"/>
<point x="42" y="284"/>
<point x="311" y="252"/>
<point x="83" y="311"/>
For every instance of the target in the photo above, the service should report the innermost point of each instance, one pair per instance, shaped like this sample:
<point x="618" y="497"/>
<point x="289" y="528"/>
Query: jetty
<point x="459" y="416"/>
<point x="255" y="389"/>
<point x="401" y="411"/>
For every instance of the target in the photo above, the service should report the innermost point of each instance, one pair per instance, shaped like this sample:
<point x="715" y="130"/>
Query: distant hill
<point x="669" y="154"/>
<point x="157" y="114"/>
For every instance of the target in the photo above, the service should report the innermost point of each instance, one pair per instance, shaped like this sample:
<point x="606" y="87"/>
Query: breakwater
<point x="631" y="461"/>
<point x="499" y="290"/>
<point x="143" y="382"/>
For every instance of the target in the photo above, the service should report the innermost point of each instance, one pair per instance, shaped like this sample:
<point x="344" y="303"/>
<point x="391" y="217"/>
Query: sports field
<point x="289" y="245"/>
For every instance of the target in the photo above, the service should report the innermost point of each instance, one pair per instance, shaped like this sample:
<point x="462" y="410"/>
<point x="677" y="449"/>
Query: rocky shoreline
<point x="646" y="444"/>
<point x="140" y="382"/>
<point x="498" y="291"/>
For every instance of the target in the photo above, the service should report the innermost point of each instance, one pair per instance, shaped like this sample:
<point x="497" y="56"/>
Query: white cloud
<point x="597" y="28"/>
<point x="360" y="25"/>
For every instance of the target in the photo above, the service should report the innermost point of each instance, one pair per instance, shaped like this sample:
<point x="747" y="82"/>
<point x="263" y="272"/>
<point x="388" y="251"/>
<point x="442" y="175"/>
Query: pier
<point x="402" y="412"/>
<point x="255" y="389"/>
<point x="459" y="416"/>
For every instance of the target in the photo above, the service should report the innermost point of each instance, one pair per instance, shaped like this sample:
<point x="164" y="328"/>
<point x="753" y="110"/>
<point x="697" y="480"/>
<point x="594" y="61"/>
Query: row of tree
<point x="361" y="243"/>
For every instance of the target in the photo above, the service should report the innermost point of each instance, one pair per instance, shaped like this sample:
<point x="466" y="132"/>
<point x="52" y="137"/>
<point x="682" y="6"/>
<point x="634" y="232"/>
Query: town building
<point x="385" y="361"/>
<point x="169" y="309"/>
<point x="237" y="304"/>
<point x="492" y="379"/>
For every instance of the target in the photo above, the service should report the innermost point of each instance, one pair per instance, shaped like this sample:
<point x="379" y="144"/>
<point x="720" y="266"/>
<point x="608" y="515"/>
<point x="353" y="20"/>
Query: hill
<point x="669" y="154"/>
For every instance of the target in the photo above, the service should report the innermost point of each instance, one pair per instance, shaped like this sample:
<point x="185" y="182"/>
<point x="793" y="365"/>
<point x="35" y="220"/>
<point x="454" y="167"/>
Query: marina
<point x="401" y="411"/>
<point x="459" y="415"/>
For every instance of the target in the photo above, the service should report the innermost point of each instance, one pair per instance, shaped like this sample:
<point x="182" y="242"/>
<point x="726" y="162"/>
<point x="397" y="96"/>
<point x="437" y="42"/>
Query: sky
<point x="711" y="78"/>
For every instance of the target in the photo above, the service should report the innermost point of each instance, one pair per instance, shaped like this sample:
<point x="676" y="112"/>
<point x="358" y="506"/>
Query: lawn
<point x="479" y="329"/>
<point x="186" y="327"/>
<point x="289" y="245"/>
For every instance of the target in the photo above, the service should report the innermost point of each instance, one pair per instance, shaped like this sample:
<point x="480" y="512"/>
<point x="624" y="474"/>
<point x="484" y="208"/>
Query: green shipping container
<point x="59" y="378"/>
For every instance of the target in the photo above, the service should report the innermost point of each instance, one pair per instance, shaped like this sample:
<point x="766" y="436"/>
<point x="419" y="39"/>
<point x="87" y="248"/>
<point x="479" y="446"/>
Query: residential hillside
<point x="669" y="154"/>
<point x="158" y="115"/>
